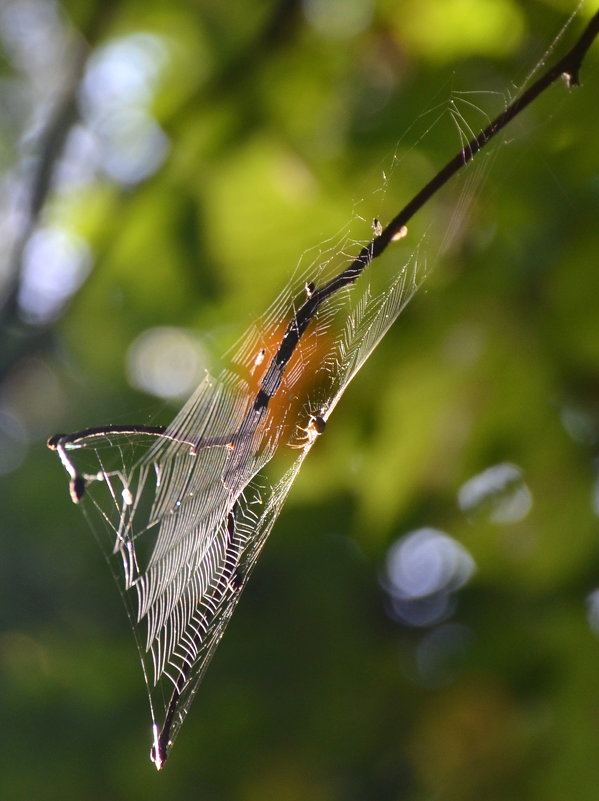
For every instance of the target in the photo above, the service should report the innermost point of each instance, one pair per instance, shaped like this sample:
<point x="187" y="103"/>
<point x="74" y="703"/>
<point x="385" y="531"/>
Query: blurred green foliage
<point x="279" y="122"/>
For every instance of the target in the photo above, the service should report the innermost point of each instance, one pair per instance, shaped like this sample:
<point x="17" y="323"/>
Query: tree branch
<point x="20" y="337"/>
<point x="568" y="66"/>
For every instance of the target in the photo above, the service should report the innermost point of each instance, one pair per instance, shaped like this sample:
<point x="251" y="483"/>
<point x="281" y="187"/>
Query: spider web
<point x="183" y="514"/>
<point x="186" y="513"/>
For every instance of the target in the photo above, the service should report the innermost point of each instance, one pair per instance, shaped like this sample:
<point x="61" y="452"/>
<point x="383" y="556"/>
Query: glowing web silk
<point x="189" y="516"/>
<point x="186" y="509"/>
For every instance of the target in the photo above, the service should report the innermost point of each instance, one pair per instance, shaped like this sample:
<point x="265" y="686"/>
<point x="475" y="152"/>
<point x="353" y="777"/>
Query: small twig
<point x="568" y="66"/>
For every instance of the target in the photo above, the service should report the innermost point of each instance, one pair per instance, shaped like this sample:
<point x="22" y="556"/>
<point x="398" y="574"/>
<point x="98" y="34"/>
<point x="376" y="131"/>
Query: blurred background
<point x="424" y="620"/>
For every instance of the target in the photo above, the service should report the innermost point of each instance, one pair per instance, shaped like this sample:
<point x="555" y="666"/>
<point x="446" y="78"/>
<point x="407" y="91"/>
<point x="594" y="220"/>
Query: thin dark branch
<point x="20" y="337"/>
<point x="568" y="66"/>
<point x="51" y="145"/>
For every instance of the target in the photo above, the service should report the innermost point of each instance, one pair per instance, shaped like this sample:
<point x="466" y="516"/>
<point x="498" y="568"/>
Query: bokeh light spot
<point x="55" y="264"/>
<point x="422" y="570"/>
<point x="499" y="493"/>
<point x="166" y="362"/>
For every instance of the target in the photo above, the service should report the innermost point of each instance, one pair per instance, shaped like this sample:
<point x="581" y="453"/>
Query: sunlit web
<point x="185" y="510"/>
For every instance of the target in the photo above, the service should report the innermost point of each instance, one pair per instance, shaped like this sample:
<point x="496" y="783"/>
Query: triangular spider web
<point x="186" y="511"/>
